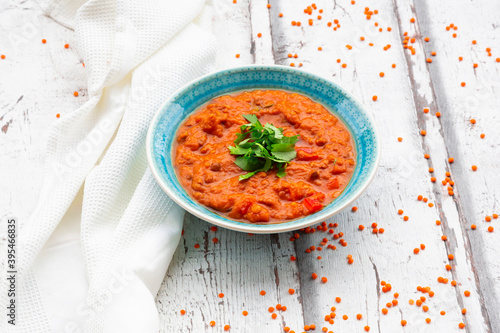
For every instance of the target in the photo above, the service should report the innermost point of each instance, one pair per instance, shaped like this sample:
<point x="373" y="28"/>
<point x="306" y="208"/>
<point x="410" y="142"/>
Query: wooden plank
<point x="240" y="266"/>
<point x="477" y="192"/>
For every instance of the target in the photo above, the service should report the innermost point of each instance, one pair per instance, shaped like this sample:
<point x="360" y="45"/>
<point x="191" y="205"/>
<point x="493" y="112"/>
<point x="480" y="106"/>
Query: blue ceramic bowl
<point x="163" y="128"/>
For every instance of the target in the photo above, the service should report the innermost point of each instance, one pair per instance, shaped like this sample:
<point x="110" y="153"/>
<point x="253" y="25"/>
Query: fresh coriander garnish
<point x="260" y="148"/>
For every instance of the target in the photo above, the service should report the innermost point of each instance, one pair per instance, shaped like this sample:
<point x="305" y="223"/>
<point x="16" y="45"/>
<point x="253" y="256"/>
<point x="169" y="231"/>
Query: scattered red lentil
<point x="227" y="327"/>
<point x="262" y="292"/>
<point x="490" y="229"/>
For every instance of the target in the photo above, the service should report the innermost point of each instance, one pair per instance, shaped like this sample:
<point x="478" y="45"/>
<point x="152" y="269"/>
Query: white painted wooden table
<point x="37" y="81"/>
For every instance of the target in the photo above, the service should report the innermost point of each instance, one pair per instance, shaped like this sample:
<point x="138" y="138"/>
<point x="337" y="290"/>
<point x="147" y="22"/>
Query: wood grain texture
<point x="37" y="81"/>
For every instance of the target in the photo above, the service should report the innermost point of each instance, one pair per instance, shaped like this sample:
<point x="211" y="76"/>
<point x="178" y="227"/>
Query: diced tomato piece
<point x="306" y="154"/>
<point x="312" y="205"/>
<point x="333" y="184"/>
<point x="305" y="150"/>
<point x="244" y="207"/>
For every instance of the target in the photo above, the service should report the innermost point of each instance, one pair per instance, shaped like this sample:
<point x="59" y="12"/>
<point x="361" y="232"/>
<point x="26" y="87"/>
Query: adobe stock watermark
<point x="26" y="34"/>
<point x="138" y="94"/>
<point x="117" y="283"/>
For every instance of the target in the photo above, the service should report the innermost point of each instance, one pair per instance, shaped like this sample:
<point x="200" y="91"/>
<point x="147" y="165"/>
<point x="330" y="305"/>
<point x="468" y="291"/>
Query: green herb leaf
<point x="248" y="164"/>
<point x="260" y="148"/>
<point x="247" y="175"/>
<point x="281" y="171"/>
<point x="285" y="155"/>
<point x="251" y="118"/>
<point x="238" y="150"/>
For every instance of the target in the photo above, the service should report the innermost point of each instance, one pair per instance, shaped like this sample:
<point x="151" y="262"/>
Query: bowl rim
<point x="248" y="227"/>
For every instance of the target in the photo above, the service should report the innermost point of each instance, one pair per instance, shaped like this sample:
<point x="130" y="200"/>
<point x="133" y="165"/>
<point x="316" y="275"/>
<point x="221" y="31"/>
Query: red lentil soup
<point x="322" y="169"/>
